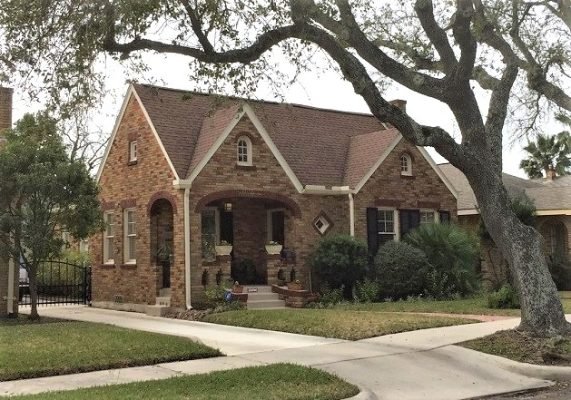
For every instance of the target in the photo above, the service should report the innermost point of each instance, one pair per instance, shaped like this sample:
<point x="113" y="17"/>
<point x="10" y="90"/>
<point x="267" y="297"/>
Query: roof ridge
<point x="195" y="92"/>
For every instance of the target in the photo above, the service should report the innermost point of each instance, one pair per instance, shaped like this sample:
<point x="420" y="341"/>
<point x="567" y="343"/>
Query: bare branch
<point x="463" y="35"/>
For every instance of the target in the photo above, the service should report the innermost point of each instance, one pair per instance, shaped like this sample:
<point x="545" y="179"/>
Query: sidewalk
<point x="409" y="366"/>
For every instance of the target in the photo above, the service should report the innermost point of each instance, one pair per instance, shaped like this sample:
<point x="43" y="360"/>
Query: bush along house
<point x="199" y="190"/>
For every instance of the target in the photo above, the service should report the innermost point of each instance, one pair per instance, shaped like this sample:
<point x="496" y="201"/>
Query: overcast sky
<point x="325" y="89"/>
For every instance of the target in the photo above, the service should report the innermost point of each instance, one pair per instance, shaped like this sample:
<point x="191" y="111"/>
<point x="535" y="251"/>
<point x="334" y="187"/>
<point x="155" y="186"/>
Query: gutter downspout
<point x="187" y="281"/>
<point x="351" y="215"/>
<point x="10" y="297"/>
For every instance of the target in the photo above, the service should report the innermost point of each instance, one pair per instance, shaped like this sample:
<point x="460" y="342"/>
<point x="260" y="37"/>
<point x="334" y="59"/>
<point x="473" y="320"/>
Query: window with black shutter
<point x="444" y="217"/>
<point x="372" y="229"/>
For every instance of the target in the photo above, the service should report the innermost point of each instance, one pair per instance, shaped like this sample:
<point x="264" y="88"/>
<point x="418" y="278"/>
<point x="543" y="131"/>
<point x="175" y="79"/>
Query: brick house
<point x="552" y="199"/>
<point x="8" y="270"/>
<point x="185" y="173"/>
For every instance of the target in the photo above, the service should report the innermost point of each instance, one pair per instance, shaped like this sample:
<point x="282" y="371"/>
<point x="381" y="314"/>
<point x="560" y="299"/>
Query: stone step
<point x="265" y="304"/>
<point x="165" y="292"/>
<point x="163" y="301"/>
<point x="263" y="296"/>
<point x="156" y="311"/>
<point x="257" y="289"/>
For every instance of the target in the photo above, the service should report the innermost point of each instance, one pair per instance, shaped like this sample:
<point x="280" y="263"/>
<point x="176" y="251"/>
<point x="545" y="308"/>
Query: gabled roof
<point x="314" y="142"/>
<point x="546" y="194"/>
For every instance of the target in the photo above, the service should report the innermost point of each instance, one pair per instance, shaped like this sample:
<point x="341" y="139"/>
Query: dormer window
<point x="133" y="151"/>
<point x="244" y="151"/>
<point x="406" y="165"/>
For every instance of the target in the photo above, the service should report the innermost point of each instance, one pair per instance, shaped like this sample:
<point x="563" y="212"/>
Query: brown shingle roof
<point x="544" y="194"/>
<point x="314" y="142"/>
<point x="364" y="152"/>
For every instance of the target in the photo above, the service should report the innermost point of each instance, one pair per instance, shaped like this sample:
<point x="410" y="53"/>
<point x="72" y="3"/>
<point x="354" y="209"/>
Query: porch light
<point x="227" y="207"/>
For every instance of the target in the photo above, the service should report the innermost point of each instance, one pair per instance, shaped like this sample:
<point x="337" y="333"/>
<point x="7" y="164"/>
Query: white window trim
<point x="133" y="154"/>
<point x="108" y="252"/>
<point x="216" y="224"/>
<point x="408" y="172"/>
<point x="427" y="210"/>
<point x="248" y="149"/>
<point x="269" y="222"/>
<point x="126" y="212"/>
<point x="396" y="224"/>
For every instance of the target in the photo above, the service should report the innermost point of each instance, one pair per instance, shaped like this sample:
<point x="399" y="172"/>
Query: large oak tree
<point x="514" y="49"/>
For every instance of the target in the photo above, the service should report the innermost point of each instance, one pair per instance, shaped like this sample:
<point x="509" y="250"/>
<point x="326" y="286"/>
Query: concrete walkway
<point x="409" y="366"/>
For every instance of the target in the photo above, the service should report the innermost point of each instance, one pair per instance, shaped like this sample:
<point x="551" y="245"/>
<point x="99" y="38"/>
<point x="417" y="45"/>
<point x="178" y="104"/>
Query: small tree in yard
<point x="517" y="51"/>
<point x="43" y="193"/>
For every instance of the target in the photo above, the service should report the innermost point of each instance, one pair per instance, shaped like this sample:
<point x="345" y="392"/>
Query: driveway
<point x="408" y="366"/>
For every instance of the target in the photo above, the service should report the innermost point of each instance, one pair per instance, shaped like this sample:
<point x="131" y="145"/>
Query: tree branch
<point x="437" y="36"/>
<point x="463" y="35"/>
<point x="197" y="27"/>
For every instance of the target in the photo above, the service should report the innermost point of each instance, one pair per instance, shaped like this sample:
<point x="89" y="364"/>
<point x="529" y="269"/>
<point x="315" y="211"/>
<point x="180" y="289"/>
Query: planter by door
<point x="274" y="248"/>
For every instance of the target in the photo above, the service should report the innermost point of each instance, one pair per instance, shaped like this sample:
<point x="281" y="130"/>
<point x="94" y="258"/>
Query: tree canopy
<point x="44" y="193"/>
<point x="546" y="154"/>
<point x="517" y="50"/>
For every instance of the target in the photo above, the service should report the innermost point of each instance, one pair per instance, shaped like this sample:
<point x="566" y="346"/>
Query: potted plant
<point x="237" y="288"/>
<point x="295" y="285"/>
<point x="224" y="248"/>
<point x="164" y="254"/>
<point x="273" y="247"/>
<point x="281" y="277"/>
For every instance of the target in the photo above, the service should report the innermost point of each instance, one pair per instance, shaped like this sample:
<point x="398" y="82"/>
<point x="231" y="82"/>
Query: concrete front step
<point x="263" y="296"/>
<point x="250" y="289"/>
<point x="164" y="301"/>
<point x="265" y="304"/>
<point x="156" y="311"/>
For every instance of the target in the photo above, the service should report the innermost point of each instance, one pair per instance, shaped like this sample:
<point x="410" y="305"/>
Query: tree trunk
<point x="32" y="276"/>
<point x="541" y="310"/>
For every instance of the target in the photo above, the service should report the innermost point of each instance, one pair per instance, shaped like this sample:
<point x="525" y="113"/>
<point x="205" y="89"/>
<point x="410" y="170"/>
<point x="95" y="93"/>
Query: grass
<point x="522" y="347"/>
<point x="475" y="306"/>
<point x="331" y="323"/>
<point x="277" y="381"/>
<point x="61" y="347"/>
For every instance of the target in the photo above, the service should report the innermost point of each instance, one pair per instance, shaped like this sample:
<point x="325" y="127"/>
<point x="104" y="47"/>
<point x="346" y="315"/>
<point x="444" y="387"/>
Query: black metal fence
<point x="59" y="283"/>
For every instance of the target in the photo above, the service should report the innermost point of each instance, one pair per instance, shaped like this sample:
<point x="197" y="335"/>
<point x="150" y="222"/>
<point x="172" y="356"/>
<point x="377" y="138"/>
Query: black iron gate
<point x="59" y="283"/>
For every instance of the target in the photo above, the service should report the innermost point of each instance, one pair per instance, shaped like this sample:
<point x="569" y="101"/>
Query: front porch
<point x="250" y="240"/>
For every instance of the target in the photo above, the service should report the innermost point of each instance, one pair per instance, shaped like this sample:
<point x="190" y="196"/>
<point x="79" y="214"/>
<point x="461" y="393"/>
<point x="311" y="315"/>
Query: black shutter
<point x="409" y="219"/>
<point x="372" y="231"/>
<point x="444" y="217"/>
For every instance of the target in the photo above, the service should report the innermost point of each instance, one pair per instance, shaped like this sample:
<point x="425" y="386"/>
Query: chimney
<point x="399" y="103"/>
<point x="5" y="109"/>
<point x="550" y="173"/>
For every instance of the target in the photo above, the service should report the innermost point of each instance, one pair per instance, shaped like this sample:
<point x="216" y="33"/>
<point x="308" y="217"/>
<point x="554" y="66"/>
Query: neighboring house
<point x="8" y="271"/>
<point x="552" y="199"/>
<point x="186" y="172"/>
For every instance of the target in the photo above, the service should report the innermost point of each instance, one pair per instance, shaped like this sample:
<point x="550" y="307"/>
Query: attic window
<point x="244" y="151"/>
<point x="133" y="151"/>
<point x="322" y="223"/>
<point x="406" y="165"/>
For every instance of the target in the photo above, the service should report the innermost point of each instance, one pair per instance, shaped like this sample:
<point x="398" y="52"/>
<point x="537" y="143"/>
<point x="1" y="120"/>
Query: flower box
<point x="223" y="249"/>
<point x="274" y="248"/>
<point x="294" y="286"/>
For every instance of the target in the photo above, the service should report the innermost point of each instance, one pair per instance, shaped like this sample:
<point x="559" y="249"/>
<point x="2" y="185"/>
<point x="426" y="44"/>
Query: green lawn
<point x="277" y="381"/>
<point x="330" y="323"/>
<point x="476" y="305"/>
<point x="522" y="347"/>
<point x="62" y="347"/>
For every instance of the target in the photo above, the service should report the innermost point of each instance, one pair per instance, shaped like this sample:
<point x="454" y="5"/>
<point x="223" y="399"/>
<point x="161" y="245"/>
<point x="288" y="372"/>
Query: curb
<point x="545" y="372"/>
<point x="364" y="394"/>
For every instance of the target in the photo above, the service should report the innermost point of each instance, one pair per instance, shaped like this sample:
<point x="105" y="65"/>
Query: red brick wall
<point x="122" y="186"/>
<point x="387" y="184"/>
<point x="222" y="174"/>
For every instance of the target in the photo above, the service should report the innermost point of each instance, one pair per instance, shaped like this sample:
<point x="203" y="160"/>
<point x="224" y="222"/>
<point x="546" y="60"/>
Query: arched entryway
<point x="162" y="243"/>
<point x="251" y="231"/>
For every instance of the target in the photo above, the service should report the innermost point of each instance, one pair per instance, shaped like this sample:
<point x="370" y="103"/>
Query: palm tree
<point x="548" y="153"/>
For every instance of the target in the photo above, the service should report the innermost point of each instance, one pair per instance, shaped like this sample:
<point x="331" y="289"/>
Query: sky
<point x="323" y="89"/>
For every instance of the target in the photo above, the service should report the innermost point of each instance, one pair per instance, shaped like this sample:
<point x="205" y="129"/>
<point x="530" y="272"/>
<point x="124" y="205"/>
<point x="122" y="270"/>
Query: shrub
<point x="340" y="261"/>
<point x="506" y="297"/>
<point x="331" y="296"/>
<point x="560" y="272"/>
<point x="399" y="269"/>
<point x="452" y="254"/>
<point x="366" y="291"/>
<point x="214" y="296"/>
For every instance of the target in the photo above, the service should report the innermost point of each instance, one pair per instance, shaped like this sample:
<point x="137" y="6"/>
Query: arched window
<point x="244" y="151"/>
<point x="406" y="165"/>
